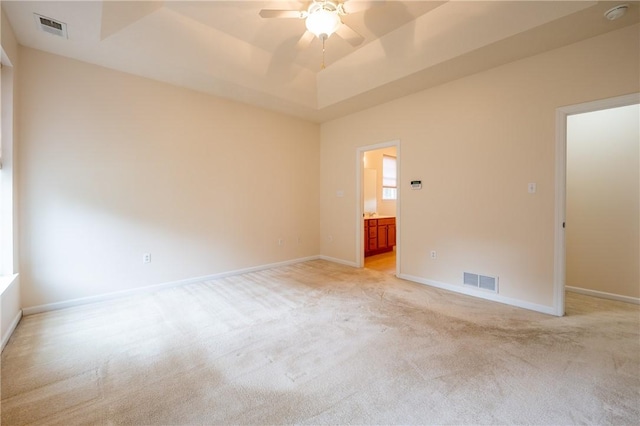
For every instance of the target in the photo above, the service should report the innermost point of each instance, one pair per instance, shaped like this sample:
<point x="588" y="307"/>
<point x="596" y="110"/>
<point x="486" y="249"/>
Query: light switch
<point x="532" y="188"/>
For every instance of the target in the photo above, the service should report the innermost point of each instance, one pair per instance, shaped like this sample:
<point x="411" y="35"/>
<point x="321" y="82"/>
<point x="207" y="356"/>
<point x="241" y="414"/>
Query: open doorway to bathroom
<point x="379" y="207"/>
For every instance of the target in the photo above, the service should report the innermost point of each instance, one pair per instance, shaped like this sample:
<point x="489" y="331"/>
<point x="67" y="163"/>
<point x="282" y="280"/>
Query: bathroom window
<point x="389" y="181"/>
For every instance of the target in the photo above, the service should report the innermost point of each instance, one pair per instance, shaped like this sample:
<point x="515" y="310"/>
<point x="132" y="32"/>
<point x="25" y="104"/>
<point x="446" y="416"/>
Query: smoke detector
<point x="51" y="26"/>
<point x="616" y="12"/>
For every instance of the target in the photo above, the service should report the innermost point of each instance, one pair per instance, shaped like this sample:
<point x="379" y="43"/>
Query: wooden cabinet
<point x="379" y="235"/>
<point x="391" y="234"/>
<point x="371" y="235"/>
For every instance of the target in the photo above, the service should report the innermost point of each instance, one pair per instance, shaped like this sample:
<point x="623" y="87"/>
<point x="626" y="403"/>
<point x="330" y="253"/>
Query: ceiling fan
<point x="322" y="19"/>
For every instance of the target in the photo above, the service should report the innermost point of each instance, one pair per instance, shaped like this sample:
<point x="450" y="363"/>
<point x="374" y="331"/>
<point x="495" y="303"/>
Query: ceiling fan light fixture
<point x="322" y="23"/>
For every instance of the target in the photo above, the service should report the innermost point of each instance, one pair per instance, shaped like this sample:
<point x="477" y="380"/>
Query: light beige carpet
<point x="320" y="343"/>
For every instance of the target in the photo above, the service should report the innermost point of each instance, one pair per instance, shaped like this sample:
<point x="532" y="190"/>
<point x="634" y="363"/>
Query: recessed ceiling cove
<point x="379" y="50"/>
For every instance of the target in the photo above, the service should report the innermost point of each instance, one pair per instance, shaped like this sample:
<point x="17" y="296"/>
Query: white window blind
<point x="389" y="178"/>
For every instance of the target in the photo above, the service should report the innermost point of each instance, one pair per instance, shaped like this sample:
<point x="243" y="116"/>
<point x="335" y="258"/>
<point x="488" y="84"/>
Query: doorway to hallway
<point x="588" y="204"/>
<point x="602" y="203"/>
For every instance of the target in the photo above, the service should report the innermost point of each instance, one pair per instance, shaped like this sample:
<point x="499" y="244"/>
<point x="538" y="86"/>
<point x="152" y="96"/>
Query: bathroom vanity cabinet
<point x="379" y="235"/>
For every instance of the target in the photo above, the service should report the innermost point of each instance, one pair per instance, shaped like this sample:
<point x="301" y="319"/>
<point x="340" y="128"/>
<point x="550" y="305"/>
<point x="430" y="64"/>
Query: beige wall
<point x="603" y="205"/>
<point x="373" y="160"/>
<point x="113" y="166"/>
<point x="476" y="143"/>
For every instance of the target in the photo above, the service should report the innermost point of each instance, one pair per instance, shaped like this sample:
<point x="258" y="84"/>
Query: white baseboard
<point x="148" y="289"/>
<point x="340" y="261"/>
<point x="10" y="330"/>
<point x="549" y="310"/>
<point x="603" y="295"/>
<point x="152" y="288"/>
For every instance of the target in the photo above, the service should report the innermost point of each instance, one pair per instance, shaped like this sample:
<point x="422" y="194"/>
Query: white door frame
<point x="561" y="185"/>
<point x="360" y="200"/>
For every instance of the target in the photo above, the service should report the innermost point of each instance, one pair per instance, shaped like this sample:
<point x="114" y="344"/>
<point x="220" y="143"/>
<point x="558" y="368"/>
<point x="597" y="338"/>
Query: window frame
<point x="393" y="194"/>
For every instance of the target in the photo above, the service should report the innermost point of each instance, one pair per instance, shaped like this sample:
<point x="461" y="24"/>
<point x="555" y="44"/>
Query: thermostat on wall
<point x="416" y="184"/>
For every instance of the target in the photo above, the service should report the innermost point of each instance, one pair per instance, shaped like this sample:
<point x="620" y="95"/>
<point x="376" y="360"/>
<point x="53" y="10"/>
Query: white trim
<point x="560" y="213"/>
<point x="340" y="261"/>
<point x="10" y="330"/>
<point x="359" y="263"/>
<point x="549" y="310"/>
<point x="359" y="208"/>
<point x="561" y="185"/>
<point x="6" y="281"/>
<point x="604" y="295"/>
<point x="398" y="248"/>
<point x="616" y="102"/>
<point x="152" y="288"/>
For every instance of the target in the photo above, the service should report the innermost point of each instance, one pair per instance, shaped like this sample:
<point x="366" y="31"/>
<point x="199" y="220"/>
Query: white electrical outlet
<point x="434" y="255"/>
<point x="280" y="241"/>
<point x="146" y="258"/>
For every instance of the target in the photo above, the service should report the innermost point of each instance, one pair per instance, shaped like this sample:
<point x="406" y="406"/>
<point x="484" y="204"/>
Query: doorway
<point x="591" y="199"/>
<point x="378" y="198"/>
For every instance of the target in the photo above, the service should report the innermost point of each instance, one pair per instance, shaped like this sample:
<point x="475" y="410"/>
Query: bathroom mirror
<point x="370" y="192"/>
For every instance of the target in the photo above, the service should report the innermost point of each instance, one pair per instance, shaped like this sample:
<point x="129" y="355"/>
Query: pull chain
<point x="323" y="39"/>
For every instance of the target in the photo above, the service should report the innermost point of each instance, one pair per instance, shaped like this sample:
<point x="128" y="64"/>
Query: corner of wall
<point x="9" y="307"/>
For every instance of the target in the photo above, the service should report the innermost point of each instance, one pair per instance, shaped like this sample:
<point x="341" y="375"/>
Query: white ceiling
<point x="225" y="48"/>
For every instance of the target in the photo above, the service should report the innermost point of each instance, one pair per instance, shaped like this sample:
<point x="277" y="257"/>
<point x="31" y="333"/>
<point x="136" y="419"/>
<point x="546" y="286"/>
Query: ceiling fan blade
<point x="347" y="33"/>
<point x="353" y="6"/>
<point x="305" y="40"/>
<point x="271" y="13"/>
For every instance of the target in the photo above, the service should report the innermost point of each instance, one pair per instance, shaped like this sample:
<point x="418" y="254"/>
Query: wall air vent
<point x="480" y="281"/>
<point x="51" y="26"/>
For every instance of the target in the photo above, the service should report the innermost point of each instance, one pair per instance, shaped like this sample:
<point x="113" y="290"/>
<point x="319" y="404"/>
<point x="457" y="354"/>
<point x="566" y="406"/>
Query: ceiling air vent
<point x="51" y="26"/>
